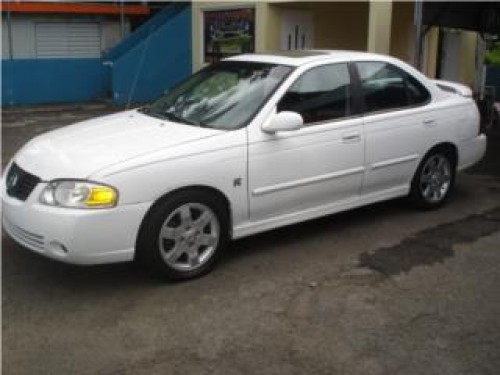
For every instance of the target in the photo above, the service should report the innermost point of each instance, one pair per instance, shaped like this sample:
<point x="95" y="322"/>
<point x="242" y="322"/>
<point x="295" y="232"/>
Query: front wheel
<point x="433" y="180"/>
<point x="183" y="235"/>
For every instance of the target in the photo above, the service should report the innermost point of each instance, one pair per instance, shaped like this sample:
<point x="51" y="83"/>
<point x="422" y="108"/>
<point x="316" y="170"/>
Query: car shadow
<point x="23" y="266"/>
<point x="19" y="262"/>
<point x="281" y="238"/>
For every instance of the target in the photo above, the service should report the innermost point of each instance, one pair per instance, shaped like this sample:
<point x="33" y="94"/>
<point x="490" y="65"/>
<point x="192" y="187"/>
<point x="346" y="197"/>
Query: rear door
<point x="397" y="118"/>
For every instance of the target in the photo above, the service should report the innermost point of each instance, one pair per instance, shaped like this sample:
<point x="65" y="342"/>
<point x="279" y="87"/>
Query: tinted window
<point x="385" y="86"/>
<point x="320" y="94"/>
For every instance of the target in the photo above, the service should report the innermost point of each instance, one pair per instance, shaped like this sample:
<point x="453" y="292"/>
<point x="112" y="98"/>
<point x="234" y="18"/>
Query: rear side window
<point x="322" y="93"/>
<point x="386" y="87"/>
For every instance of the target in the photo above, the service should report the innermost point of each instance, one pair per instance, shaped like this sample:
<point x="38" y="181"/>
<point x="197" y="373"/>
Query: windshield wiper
<point x="147" y="111"/>
<point x="172" y="116"/>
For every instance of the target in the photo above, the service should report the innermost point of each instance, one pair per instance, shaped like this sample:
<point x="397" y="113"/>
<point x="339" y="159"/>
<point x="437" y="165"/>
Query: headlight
<point x="79" y="194"/>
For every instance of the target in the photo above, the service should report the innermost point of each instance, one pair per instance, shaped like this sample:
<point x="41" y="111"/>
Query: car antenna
<point x="139" y="67"/>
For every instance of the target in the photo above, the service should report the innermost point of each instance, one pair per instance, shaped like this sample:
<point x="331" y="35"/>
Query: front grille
<point x="20" y="183"/>
<point x="23" y="236"/>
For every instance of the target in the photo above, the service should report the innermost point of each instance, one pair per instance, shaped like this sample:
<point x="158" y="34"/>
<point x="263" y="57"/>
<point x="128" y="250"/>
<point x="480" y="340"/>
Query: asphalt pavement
<point x="385" y="289"/>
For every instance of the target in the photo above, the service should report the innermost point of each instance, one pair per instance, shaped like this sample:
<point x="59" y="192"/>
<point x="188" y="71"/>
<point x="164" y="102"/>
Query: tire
<point x="183" y="235"/>
<point x="433" y="180"/>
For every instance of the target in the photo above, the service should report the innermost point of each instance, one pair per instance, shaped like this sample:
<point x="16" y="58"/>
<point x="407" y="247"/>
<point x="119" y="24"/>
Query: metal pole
<point x="9" y="31"/>
<point x="418" y="32"/>
<point x="122" y="20"/>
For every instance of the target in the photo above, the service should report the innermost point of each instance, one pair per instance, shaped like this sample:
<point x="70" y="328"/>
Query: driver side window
<point x="322" y="93"/>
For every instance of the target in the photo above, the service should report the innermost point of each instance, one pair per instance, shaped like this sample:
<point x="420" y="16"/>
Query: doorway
<point x="296" y="30"/>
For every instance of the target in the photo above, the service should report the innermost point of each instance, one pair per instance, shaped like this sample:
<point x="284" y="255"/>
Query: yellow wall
<point x="385" y="27"/>
<point x="466" y="58"/>
<point x="403" y="31"/>
<point x="379" y="26"/>
<point x="431" y="53"/>
<point x="337" y="25"/>
<point x="403" y="38"/>
<point x="467" y="67"/>
<point x="341" y="25"/>
<point x="268" y="27"/>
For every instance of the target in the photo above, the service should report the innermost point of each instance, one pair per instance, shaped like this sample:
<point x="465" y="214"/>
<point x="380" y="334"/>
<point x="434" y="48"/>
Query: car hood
<point x="79" y="150"/>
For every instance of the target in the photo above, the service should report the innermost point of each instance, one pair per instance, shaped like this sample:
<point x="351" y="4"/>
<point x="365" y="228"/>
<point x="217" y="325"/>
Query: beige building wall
<point x="403" y="38"/>
<point x="342" y="25"/>
<point x="384" y="27"/>
<point x="466" y="61"/>
<point x="267" y="26"/>
<point x="467" y="67"/>
<point x="268" y="36"/>
<point x="430" y="50"/>
<point x="337" y="25"/>
<point x="403" y="31"/>
<point x="379" y="26"/>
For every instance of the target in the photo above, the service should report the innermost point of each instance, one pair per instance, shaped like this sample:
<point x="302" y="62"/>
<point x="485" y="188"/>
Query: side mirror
<point x="283" y="121"/>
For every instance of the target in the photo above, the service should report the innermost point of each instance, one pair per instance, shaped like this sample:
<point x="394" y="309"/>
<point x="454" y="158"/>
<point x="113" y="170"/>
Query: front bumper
<point x="78" y="236"/>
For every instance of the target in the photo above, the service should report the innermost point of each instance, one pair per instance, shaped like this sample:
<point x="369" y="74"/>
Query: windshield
<point x="225" y="95"/>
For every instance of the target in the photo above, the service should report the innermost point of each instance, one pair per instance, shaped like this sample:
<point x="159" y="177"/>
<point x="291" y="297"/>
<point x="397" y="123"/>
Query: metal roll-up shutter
<point x="68" y="40"/>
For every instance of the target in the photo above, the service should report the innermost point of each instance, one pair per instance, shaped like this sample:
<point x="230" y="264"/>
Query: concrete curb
<point x="91" y="106"/>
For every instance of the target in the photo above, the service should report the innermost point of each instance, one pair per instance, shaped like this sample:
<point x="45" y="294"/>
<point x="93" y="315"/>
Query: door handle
<point x="351" y="137"/>
<point x="429" y="122"/>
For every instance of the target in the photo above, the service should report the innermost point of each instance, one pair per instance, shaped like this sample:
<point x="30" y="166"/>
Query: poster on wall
<point x="228" y="32"/>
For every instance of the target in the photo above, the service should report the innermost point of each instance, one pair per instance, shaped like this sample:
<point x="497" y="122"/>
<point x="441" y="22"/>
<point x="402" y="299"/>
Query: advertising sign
<point x="228" y="32"/>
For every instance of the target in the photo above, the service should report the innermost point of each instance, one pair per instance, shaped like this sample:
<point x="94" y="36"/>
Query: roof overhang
<point x="74" y="8"/>
<point x="483" y="17"/>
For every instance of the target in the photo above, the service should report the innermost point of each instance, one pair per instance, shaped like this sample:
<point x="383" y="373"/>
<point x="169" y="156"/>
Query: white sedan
<point x="248" y="144"/>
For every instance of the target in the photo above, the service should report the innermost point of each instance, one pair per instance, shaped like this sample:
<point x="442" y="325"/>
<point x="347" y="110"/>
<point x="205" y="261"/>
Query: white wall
<point x="111" y="34"/>
<point x="23" y="32"/>
<point x="23" y="38"/>
<point x="5" y="40"/>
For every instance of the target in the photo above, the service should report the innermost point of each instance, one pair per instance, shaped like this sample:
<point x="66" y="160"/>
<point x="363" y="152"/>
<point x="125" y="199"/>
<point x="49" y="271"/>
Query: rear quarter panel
<point x="458" y="122"/>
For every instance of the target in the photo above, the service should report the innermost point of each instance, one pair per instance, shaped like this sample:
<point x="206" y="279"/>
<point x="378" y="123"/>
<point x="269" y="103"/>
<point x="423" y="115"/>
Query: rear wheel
<point x="183" y="235"/>
<point x="433" y="180"/>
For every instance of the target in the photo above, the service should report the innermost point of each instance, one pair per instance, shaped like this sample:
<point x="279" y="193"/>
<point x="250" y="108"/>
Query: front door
<point x="318" y="165"/>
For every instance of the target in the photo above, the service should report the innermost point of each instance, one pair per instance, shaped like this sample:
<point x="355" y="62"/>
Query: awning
<point x="483" y="17"/>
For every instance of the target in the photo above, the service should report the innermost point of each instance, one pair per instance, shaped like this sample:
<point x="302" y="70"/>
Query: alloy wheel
<point x="435" y="178"/>
<point x="189" y="236"/>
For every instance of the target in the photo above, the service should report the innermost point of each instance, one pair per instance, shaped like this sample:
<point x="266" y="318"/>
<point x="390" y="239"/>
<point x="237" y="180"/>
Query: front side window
<point x="322" y="93"/>
<point x="386" y="87"/>
<point x="225" y="95"/>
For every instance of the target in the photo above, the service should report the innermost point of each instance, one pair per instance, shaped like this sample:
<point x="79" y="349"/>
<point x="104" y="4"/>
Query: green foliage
<point x="492" y="56"/>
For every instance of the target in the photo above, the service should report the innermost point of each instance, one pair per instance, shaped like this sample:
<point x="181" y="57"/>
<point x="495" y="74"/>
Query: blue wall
<point x="37" y="81"/>
<point x="160" y="60"/>
<point x="144" y="30"/>
<point x="152" y="59"/>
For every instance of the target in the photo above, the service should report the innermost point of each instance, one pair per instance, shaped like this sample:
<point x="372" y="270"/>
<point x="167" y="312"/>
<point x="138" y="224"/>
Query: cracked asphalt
<point x="384" y="289"/>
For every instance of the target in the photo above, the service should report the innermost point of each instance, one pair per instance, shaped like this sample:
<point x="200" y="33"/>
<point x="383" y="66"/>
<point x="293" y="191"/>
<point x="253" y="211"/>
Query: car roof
<point x="297" y="58"/>
<point x="303" y="57"/>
